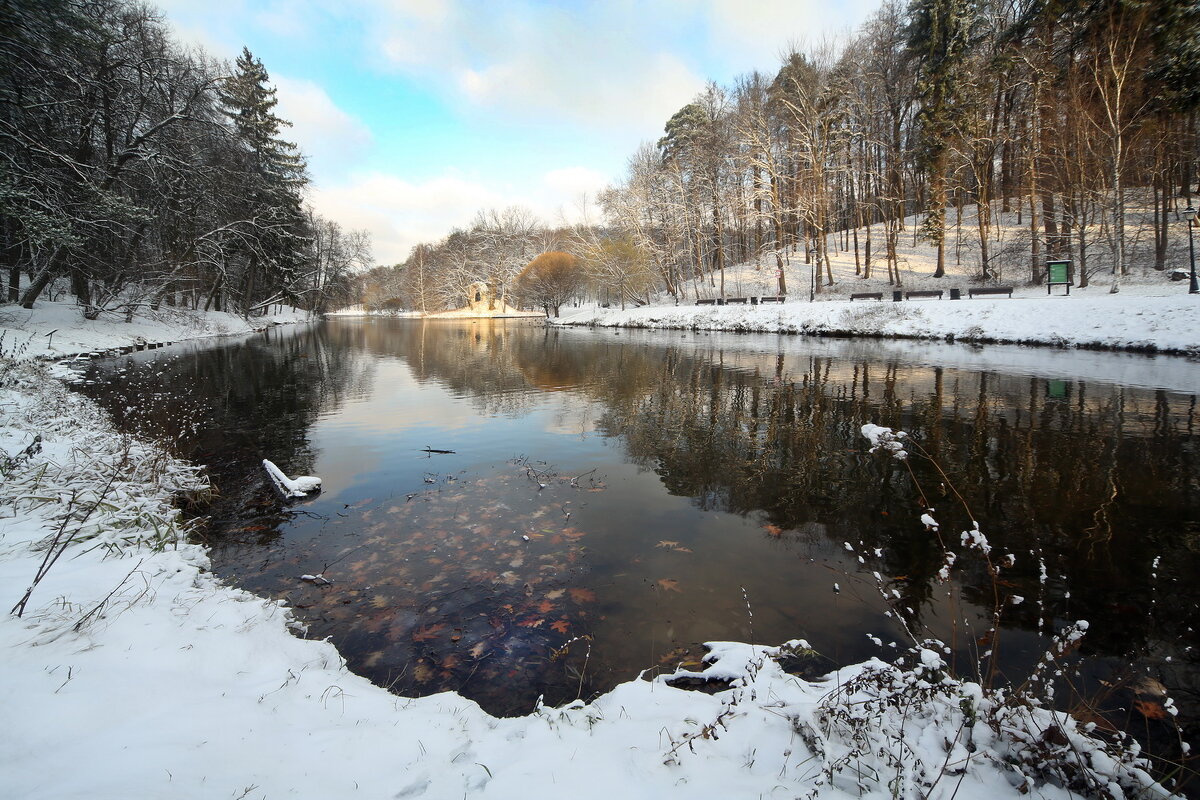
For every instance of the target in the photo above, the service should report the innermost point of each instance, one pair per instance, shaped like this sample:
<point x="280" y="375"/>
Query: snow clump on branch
<point x="886" y="439"/>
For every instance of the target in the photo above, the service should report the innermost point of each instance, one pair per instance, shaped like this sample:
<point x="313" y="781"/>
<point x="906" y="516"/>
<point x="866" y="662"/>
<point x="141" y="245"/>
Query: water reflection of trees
<point x="475" y="359"/>
<point x="231" y="406"/>
<point x="1092" y="480"/>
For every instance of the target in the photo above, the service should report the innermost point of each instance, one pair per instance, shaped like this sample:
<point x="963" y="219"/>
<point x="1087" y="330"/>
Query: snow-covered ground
<point x="1149" y="312"/>
<point x="56" y="329"/>
<point x="1125" y="321"/>
<point x="132" y="672"/>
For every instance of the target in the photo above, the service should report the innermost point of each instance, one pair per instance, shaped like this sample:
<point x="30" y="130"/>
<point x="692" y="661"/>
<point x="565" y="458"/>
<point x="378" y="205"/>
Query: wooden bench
<point x="771" y="299"/>
<point x="924" y="293"/>
<point x="707" y="301"/>
<point x="866" y="296"/>
<point x="742" y="300"/>
<point x="1007" y="290"/>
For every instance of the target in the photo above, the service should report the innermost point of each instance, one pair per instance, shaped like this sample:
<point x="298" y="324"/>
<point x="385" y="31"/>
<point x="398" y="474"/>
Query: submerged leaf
<point x="427" y="633"/>
<point x="422" y="672"/>
<point x="670" y="585"/>
<point x="1151" y="709"/>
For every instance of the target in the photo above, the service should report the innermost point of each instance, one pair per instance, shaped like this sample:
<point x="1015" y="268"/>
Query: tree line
<point x="1049" y="109"/>
<point x="1061" y="116"/>
<point x="136" y="172"/>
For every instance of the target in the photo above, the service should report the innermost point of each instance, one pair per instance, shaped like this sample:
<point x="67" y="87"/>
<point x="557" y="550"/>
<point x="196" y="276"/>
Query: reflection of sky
<point x="382" y="433"/>
<point x="1172" y="373"/>
<point x="400" y="403"/>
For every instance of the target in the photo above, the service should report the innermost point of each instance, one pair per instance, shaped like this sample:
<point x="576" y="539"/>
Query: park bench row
<point x="709" y="301"/>
<point x="938" y="293"/>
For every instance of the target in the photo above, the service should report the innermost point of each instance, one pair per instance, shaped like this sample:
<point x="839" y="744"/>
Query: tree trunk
<point x="35" y="287"/>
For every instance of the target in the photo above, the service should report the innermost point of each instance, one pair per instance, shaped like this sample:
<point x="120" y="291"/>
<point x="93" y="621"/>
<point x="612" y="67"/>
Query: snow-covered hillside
<point x="1150" y="312"/>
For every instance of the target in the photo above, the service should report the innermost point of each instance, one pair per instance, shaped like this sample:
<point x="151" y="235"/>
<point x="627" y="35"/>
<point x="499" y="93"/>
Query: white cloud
<point x="594" y="66"/>
<point x="603" y="75"/>
<point x="575" y="180"/>
<point x="331" y="138"/>
<point x="617" y="65"/>
<point x="400" y="213"/>
<point x="755" y="34"/>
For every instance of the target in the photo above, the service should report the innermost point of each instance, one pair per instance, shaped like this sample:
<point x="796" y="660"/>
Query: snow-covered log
<point x="300" y="486"/>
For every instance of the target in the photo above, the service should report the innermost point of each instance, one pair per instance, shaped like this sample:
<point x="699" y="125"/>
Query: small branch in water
<point x="430" y="450"/>
<point x="575" y="480"/>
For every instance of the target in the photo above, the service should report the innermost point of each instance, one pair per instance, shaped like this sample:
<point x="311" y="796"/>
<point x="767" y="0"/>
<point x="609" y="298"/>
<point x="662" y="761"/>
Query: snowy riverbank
<point x="1129" y="320"/>
<point x="55" y="330"/>
<point x="132" y="672"/>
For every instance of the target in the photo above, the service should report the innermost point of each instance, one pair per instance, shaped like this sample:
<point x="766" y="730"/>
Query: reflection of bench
<point x="742" y="300"/>
<point x="771" y="299"/>
<point x="924" y="293"/>
<point x="990" y="290"/>
<point x="866" y="296"/>
<point x="707" y="301"/>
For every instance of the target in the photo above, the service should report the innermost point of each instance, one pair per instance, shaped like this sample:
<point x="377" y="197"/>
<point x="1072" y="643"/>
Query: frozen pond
<point x="615" y="498"/>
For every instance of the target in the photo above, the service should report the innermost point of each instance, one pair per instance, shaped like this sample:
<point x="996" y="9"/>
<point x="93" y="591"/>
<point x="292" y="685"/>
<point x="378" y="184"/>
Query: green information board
<point x="1058" y="273"/>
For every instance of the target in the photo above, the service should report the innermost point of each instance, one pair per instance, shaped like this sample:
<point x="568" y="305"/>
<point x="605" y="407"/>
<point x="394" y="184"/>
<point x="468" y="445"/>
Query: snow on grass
<point x="1120" y="322"/>
<point x="56" y="329"/>
<point x="1009" y="248"/>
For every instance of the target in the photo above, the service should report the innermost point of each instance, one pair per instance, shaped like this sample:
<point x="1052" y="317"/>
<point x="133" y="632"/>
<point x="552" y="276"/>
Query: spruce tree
<point x="939" y="39"/>
<point x="270" y="178"/>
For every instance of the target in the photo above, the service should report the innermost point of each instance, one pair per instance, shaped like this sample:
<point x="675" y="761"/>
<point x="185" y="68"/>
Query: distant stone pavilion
<point x="482" y="303"/>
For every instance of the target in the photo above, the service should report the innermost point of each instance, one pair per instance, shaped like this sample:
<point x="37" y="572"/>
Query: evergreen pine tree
<point x="939" y="39"/>
<point x="270" y="178"/>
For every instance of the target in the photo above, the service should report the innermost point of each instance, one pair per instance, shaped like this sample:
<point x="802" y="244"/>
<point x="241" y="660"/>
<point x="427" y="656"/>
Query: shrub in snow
<point x="881" y="721"/>
<point x="91" y="486"/>
<point x="910" y="726"/>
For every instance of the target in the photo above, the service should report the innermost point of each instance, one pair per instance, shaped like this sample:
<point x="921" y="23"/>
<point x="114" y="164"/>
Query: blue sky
<point x="415" y="114"/>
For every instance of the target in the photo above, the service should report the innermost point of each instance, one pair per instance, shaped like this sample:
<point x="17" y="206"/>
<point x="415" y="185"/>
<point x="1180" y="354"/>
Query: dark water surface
<point x="616" y="498"/>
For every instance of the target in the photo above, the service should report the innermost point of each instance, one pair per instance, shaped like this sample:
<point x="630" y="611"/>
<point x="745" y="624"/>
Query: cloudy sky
<point x="415" y="114"/>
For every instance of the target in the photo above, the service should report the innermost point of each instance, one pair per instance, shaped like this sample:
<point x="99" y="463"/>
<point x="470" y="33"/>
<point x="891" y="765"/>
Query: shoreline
<point x="1147" y="324"/>
<point x="68" y="336"/>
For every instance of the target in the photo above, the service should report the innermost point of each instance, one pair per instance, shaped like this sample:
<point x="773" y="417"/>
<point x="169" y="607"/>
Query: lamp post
<point x="1189" y="214"/>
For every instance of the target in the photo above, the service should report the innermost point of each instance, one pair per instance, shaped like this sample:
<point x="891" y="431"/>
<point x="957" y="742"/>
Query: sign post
<point x="1058" y="273"/>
